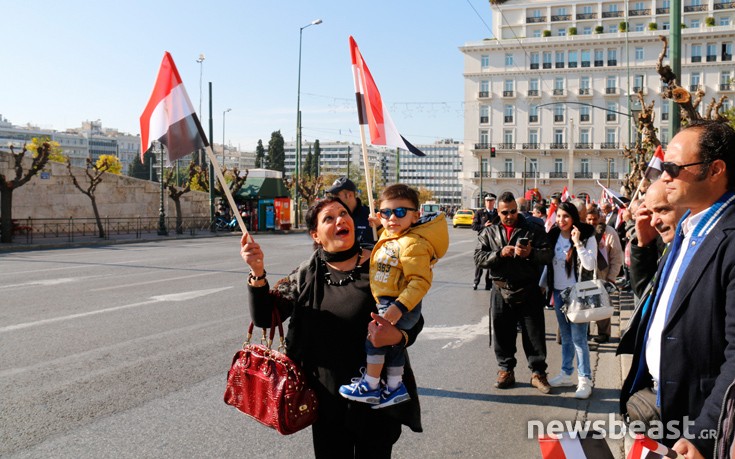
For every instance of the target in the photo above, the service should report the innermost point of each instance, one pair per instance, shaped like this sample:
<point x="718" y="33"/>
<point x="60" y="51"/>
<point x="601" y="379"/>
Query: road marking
<point x="45" y="282"/>
<point x="112" y="287"/>
<point x="184" y="296"/>
<point x="463" y="254"/>
<point x="459" y="335"/>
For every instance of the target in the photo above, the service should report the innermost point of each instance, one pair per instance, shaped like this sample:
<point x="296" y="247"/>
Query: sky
<point x="65" y="62"/>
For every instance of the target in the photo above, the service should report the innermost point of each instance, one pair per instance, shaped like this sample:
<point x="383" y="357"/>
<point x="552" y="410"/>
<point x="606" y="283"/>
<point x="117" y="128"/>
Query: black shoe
<point x="474" y="286"/>
<point x="601" y="339"/>
<point x="488" y="286"/>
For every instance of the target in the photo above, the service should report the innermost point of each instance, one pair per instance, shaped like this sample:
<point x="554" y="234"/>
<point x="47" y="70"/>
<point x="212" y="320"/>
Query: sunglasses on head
<point x="674" y="169"/>
<point x="509" y="212"/>
<point x="399" y="212"/>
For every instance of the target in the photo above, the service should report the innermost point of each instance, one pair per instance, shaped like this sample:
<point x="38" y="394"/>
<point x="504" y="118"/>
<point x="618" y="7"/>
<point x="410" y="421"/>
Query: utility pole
<point x="675" y="43"/>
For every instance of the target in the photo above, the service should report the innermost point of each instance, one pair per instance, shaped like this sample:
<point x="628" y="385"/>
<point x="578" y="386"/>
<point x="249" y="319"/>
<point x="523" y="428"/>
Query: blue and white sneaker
<point x="359" y="391"/>
<point x="388" y="398"/>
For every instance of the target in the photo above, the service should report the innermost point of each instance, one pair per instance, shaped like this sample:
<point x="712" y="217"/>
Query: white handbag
<point x="587" y="301"/>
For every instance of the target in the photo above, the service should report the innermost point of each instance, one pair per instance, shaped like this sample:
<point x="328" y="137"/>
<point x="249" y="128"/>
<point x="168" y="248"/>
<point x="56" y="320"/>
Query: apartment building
<point x="438" y="171"/>
<point x="549" y="95"/>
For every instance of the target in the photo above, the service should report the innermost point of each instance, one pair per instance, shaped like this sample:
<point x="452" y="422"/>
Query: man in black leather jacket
<point x="515" y="251"/>
<point x="482" y="219"/>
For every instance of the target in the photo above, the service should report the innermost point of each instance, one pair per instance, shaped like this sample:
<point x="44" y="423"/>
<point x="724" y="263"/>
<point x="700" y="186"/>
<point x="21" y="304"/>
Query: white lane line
<point x="458" y="255"/>
<point x="155" y="299"/>
<point x="46" y="282"/>
<point x="92" y="265"/>
<point x="458" y="335"/>
<point x="112" y="287"/>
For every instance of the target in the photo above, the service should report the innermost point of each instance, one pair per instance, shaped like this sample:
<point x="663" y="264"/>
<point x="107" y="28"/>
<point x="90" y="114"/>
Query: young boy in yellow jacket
<point x="400" y="275"/>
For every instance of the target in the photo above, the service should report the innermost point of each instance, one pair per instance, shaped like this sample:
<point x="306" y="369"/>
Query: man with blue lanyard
<point x="685" y="346"/>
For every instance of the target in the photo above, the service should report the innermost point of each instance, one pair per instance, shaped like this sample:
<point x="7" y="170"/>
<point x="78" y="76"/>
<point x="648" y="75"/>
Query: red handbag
<point x="268" y="386"/>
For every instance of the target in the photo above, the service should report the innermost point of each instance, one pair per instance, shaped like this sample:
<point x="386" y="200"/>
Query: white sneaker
<point x="584" y="388"/>
<point x="561" y="380"/>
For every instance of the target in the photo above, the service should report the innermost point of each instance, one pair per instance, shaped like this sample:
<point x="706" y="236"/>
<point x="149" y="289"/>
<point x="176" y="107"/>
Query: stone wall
<point x="117" y="195"/>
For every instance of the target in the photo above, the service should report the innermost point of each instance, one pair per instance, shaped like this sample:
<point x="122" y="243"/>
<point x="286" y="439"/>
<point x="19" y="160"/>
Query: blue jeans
<point x="392" y="356"/>
<point x="573" y="342"/>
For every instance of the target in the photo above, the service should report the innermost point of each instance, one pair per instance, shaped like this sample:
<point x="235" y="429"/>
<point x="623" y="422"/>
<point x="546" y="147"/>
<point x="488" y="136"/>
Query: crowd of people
<point x="672" y="246"/>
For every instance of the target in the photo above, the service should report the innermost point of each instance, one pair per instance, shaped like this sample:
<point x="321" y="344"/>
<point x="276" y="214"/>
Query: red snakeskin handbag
<point x="268" y="386"/>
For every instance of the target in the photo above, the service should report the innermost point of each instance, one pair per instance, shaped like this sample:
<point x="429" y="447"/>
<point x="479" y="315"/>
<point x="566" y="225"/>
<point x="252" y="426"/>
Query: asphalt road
<point x="122" y="351"/>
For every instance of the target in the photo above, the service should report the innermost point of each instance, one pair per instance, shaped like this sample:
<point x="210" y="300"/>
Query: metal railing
<point x="583" y="175"/>
<point x="558" y="146"/>
<point x="533" y="93"/>
<point x="612" y="14"/>
<point x="724" y="5"/>
<point x="558" y="175"/>
<point x="533" y="20"/>
<point x="507" y="146"/>
<point x="608" y="146"/>
<point x="561" y="17"/>
<point x="644" y="12"/>
<point x="586" y="15"/>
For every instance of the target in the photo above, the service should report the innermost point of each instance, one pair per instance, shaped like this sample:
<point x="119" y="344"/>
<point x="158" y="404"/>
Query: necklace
<point x="351" y="276"/>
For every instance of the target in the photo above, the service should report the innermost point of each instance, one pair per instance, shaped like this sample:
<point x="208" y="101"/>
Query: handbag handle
<point x="275" y="319"/>
<point x="594" y="270"/>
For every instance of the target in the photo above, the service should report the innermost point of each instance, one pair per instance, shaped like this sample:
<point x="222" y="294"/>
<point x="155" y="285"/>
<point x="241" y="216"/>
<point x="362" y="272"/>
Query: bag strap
<point x="594" y="270"/>
<point x="267" y="337"/>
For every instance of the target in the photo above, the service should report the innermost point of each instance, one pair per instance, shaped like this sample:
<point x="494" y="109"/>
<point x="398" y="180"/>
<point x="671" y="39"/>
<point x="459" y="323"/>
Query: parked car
<point x="463" y="217"/>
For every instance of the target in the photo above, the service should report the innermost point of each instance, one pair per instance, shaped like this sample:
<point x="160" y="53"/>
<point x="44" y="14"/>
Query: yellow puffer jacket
<point x="400" y="266"/>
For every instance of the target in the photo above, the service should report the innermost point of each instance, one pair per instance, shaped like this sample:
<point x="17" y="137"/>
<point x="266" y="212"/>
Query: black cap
<point x="342" y="183"/>
<point x="490" y="197"/>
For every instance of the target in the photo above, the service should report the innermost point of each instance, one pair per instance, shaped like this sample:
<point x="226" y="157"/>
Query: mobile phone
<point x="523" y="241"/>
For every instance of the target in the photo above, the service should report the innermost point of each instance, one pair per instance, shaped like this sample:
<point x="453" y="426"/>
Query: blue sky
<point x="68" y="61"/>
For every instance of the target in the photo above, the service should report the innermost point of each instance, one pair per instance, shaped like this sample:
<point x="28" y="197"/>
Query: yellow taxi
<point x="463" y="217"/>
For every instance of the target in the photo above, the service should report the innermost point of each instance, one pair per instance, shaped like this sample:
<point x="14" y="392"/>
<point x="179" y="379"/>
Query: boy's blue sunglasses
<point x="399" y="212"/>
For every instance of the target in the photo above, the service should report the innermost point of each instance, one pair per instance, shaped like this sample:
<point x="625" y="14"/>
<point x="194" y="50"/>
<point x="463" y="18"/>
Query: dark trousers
<point x="478" y="276"/>
<point x="332" y="439"/>
<point x="529" y="313"/>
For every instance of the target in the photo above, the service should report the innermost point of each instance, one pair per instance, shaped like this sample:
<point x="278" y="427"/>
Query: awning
<point x="262" y="188"/>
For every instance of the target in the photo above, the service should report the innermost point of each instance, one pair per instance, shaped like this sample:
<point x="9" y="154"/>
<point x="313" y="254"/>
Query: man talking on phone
<point x="515" y="251"/>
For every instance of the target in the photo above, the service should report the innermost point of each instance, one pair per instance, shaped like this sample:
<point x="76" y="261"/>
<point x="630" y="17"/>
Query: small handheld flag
<point x="654" y="169"/>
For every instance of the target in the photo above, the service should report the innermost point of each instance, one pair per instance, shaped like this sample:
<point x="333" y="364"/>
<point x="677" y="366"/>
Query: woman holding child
<point x="331" y="308"/>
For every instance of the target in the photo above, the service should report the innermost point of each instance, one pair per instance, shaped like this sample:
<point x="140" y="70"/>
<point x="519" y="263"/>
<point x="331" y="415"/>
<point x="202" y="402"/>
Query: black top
<point x="363" y="230"/>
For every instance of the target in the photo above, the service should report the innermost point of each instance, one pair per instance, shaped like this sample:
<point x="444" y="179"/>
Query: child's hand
<point x="393" y="314"/>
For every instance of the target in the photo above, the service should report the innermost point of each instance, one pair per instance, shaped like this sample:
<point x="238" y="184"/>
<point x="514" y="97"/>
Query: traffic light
<point x="492" y="152"/>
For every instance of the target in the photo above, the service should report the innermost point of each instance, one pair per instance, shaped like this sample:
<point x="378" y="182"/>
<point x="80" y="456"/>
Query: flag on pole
<point x="550" y="217"/>
<point x="370" y="109"/>
<point x="169" y="116"/>
<point x="615" y="198"/>
<point x="654" y="169"/>
<point x="564" y="195"/>
<point x="645" y="448"/>
<point x="574" y="446"/>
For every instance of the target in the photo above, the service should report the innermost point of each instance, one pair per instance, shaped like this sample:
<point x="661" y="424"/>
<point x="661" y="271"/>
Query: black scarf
<point x="331" y="257"/>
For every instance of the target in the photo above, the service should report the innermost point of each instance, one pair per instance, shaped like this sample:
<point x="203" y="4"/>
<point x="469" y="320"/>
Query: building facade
<point x="552" y="98"/>
<point x="438" y="171"/>
<point x="339" y="157"/>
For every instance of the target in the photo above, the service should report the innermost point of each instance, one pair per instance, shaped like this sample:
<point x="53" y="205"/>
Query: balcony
<point x="637" y="89"/>
<point x="586" y="15"/>
<point x="558" y="118"/>
<point x="558" y="92"/>
<point x="508" y="93"/>
<point x="693" y="8"/>
<point x="693" y="87"/>
<point x="528" y="174"/>
<point x="612" y="175"/>
<point x="558" y="175"/>
<point x="696" y="58"/>
<point x="585" y="175"/>
<point x="711" y="58"/>
<point x="484" y="119"/>
<point x="506" y="174"/>
<point x="608" y="146"/>
<point x="573" y="65"/>
<point x="531" y="146"/>
<point x="611" y="117"/>
<point x="724" y="5"/>
<point x="508" y="119"/>
<point x="534" y="20"/>
<point x="584" y="117"/>
<point x="533" y="118"/>
<point x="483" y="94"/>
<point x="561" y="17"/>
<point x="726" y="57"/>
<point x="485" y="174"/>
<point x="612" y="14"/>
<point x="583" y="146"/>
<point x="559" y="65"/>
<point x="534" y="65"/>
<point x="611" y="90"/>
<point x="643" y="12"/>
<point x="585" y="63"/>
<point x="507" y="146"/>
<point x="662" y="10"/>
<point x="533" y="93"/>
<point x="725" y="87"/>
<point x="599" y="63"/>
<point x="612" y="62"/>
<point x="547" y="65"/>
<point x="558" y="146"/>
<point x="482" y="146"/>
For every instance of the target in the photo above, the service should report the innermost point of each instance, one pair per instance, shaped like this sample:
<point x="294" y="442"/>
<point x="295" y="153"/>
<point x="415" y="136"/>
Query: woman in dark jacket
<point x="330" y="305"/>
<point x="573" y="243"/>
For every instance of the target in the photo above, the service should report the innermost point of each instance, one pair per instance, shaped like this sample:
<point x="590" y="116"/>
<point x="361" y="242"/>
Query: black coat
<point x="481" y="217"/>
<point x="698" y="340"/>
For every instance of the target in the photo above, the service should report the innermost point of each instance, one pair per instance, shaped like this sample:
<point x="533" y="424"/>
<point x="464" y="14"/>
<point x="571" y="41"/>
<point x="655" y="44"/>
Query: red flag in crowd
<point x="654" y="169"/>
<point x="564" y="195"/>
<point x="169" y="116"/>
<point x="567" y="446"/>
<point x="370" y="108"/>
<point x="550" y="217"/>
<point x="645" y="448"/>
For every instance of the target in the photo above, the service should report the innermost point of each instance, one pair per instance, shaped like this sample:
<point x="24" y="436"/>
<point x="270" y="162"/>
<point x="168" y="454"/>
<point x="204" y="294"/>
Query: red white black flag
<point x="169" y="116"/>
<point x="370" y="108"/>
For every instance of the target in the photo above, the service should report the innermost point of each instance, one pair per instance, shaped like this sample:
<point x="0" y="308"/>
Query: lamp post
<point x="162" y="230"/>
<point x="297" y="199"/>
<point x="223" y="135"/>
<point x="200" y="61"/>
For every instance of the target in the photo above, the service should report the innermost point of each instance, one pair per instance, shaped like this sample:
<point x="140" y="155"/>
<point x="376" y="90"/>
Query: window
<point x="507" y="137"/>
<point x="611" y="165"/>
<point x="508" y="88"/>
<point x="664" y="112"/>
<point x="558" y="136"/>
<point x="584" y="136"/>
<point x="637" y="83"/>
<point x="640" y="27"/>
<point x="558" y="165"/>
<point x="726" y="52"/>
<point x="561" y="32"/>
<point x="694" y="23"/>
<point x="611" y="85"/>
<point x="612" y="57"/>
<point x="584" y="85"/>
<point x="711" y="52"/>
<point x="587" y="30"/>
<point x="558" y="113"/>
<point x="725" y="79"/>
<point x="484" y="137"/>
<point x="666" y="25"/>
<point x="561" y="11"/>
<point x="537" y="13"/>
<point x="639" y="54"/>
<point x="584" y="166"/>
<point x="508" y="114"/>
<point x="696" y="53"/>
<point x="612" y="28"/>
<point x="534" y="60"/>
<point x="533" y="166"/>
<point x="485" y="61"/>
<point x="537" y="34"/>
<point x="484" y="114"/>
<point x="612" y="108"/>
<point x="586" y="58"/>
<point x="694" y="81"/>
<point x="547" y="60"/>
<point x="533" y="114"/>
<point x="599" y="56"/>
<point x="533" y="136"/>
<point x="484" y="88"/>
<point x="639" y="6"/>
<point x="613" y="8"/>
<point x="587" y="9"/>
<point x="572" y="59"/>
<point x="610" y="136"/>
<point x="584" y="113"/>
<point x="509" y="166"/>
<point x="508" y="59"/>
<point x="533" y="84"/>
<point x="560" y="59"/>
<point x="559" y="85"/>
<point x="725" y="21"/>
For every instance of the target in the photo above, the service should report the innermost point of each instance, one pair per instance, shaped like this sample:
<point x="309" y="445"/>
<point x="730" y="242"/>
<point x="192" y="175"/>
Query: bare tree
<point x="94" y="173"/>
<point x="175" y="193"/>
<point x="21" y="177"/>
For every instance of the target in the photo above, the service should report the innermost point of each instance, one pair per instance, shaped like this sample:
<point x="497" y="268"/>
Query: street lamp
<point x="297" y="199"/>
<point x="223" y="135"/>
<point x="200" y="61"/>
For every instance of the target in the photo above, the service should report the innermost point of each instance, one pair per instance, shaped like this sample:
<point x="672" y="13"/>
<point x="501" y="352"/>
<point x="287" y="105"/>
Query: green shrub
<point x="599" y="29"/>
<point x="623" y="26"/>
<point x="546" y="33"/>
<point x="652" y="26"/>
<point x="709" y="22"/>
<point x="572" y="31"/>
